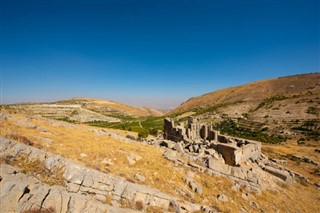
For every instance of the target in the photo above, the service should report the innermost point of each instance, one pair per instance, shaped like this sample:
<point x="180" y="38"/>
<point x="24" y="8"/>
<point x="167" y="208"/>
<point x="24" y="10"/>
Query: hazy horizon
<point x="151" y="53"/>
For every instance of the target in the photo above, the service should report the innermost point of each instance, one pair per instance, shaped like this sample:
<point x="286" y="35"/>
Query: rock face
<point x="83" y="191"/>
<point x="20" y="192"/>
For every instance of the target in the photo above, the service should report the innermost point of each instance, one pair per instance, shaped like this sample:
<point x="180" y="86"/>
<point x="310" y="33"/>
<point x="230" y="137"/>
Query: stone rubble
<point x="208" y="151"/>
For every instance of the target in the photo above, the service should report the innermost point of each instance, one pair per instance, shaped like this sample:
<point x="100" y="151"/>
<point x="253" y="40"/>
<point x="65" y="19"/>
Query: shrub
<point x="42" y="210"/>
<point x="143" y="133"/>
<point x="139" y="205"/>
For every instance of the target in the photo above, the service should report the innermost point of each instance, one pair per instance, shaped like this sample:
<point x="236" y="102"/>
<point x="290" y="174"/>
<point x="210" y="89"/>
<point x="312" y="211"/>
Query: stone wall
<point x="234" y="150"/>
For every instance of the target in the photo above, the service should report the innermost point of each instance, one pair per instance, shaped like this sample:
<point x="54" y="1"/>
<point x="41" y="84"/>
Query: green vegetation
<point x="66" y="119"/>
<point x="143" y="133"/>
<point x="314" y="111"/>
<point x="231" y="128"/>
<point x="316" y="172"/>
<point x="121" y="116"/>
<point x="310" y="128"/>
<point x="152" y="125"/>
<point x="268" y="101"/>
<point x="202" y="110"/>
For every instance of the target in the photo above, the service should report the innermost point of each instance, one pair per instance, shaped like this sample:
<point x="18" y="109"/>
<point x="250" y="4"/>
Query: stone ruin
<point x="206" y="150"/>
<point x="199" y="137"/>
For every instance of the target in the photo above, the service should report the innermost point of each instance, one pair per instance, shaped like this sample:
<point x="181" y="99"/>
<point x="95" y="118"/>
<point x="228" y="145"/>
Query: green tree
<point x="143" y="133"/>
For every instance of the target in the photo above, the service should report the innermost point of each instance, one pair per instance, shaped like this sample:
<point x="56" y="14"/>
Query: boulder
<point x="131" y="137"/>
<point x="223" y="198"/>
<point x="132" y="158"/>
<point x="283" y="175"/>
<point x="218" y="166"/>
<point x="139" y="177"/>
<point x="254" y="204"/>
<point x="179" y="148"/>
<point x="170" y="155"/>
<point x="167" y="143"/>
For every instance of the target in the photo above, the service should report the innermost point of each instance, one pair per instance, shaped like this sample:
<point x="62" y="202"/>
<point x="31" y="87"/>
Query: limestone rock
<point x="223" y="198"/>
<point x="254" y="204"/>
<point x="20" y="192"/>
<point x="83" y="155"/>
<point x="285" y="176"/>
<point x="132" y="158"/>
<point x="236" y="187"/>
<point x="179" y="148"/>
<point x="193" y="185"/>
<point x="131" y="137"/>
<point x="139" y="177"/>
<point x="170" y="155"/>
<point x="167" y="143"/>
<point x="245" y="196"/>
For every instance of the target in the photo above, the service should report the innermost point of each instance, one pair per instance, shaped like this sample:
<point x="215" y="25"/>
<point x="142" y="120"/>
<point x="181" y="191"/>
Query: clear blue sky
<point x="157" y="53"/>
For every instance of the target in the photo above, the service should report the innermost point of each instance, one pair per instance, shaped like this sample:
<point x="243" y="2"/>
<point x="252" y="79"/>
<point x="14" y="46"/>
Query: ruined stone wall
<point x="251" y="151"/>
<point x="233" y="150"/>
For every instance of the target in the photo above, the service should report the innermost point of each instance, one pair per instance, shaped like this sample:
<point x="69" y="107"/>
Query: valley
<point x="67" y="146"/>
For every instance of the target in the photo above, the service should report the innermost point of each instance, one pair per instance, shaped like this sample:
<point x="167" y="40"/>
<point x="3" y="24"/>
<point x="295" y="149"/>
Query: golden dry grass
<point x="254" y="91"/>
<point x="71" y="141"/>
<point x="98" y="104"/>
<point x="37" y="169"/>
<point x="291" y="147"/>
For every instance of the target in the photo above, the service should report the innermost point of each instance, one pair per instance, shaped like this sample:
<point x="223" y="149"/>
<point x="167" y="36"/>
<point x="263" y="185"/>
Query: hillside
<point x="54" y="165"/>
<point x="283" y="105"/>
<point x="107" y="107"/>
<point x="84" y="110"/>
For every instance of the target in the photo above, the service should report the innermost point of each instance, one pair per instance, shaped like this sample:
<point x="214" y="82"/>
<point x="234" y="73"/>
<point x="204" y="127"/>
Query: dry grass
<point x="72" y="140"/>
<point x="37" y="169"/>
<point x="291" y="147"/>
<point x="43" y="210"/>
<point x="154" y="209"/>
<point x="253" y="92"/>
<point x="108" y="200"/>
<point x="139" y="205"/>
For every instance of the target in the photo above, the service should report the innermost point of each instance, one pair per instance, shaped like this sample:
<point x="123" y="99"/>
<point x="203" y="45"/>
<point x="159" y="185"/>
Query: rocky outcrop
<point x="20" y="192"/>
<point x="91" y="188"/>
<point x="193" y="185"/>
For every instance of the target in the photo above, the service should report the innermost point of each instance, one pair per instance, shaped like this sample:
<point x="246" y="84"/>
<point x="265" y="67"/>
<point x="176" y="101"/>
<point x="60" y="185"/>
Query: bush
<point x="143" y="133"/>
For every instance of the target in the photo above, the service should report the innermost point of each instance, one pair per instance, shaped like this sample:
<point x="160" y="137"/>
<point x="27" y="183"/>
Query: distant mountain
<point x="280" y="104"/>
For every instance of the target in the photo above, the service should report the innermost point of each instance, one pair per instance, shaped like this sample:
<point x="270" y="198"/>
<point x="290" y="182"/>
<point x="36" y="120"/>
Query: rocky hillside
<point x="286" y="105"/>
<point x="49" y="165"/>
<point x="84" y="110"/>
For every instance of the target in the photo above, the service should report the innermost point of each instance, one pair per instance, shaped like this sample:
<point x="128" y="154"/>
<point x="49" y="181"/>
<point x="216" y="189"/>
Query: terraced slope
<point x="84" y="110"/>
<point x="280" y="105"/>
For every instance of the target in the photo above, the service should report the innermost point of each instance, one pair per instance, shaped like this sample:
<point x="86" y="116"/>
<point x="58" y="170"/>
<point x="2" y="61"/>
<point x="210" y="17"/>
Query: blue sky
<point x="157" y="53"/>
